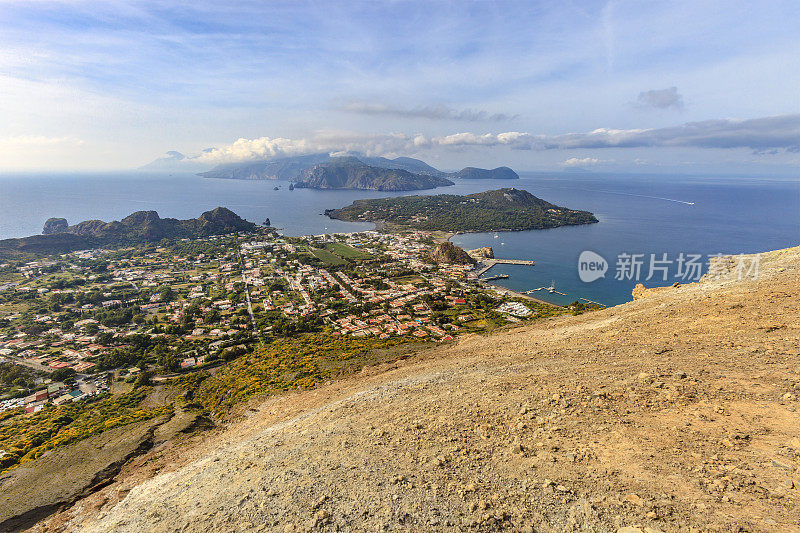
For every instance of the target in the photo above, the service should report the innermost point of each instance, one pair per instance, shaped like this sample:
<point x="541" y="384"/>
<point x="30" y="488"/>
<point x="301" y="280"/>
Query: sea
<point x="653" y="229"/>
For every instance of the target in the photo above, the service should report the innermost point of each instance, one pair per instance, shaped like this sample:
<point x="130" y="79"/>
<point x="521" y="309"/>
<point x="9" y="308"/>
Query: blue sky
<point x="697" y="86"/>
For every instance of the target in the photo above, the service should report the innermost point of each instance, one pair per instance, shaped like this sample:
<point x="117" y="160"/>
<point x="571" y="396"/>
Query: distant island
<point x="314" y="171"/>
<point x="498" y="210"/>
<point x="139" y="227"/>
<point x="499" y="173"/>
<point x="350" y="173"/>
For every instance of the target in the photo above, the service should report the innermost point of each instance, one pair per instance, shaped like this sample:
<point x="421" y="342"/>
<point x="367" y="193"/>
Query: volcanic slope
<point x="678" y="410"/>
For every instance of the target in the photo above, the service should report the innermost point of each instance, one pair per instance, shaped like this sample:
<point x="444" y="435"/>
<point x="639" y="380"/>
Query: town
<point x="101" y="323"/>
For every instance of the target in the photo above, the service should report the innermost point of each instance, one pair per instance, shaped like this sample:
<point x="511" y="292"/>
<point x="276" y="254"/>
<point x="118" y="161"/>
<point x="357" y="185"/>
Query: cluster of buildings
<point x="56" y="393"/>
<point x="219" y="287"/>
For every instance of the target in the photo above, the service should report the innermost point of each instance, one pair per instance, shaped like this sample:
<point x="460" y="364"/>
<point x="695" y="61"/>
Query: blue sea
<point x="639" y="215"/>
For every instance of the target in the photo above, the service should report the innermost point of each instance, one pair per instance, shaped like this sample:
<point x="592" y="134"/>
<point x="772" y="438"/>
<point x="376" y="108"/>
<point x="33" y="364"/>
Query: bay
<point x="639" y="214"/>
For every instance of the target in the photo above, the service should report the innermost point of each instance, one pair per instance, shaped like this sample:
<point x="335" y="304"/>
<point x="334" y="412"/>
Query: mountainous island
<point x="353" y="172"/>
<point x="350" y="173"/>
<point x="472" y="173"/>
<point x="139" y="227"/>
<point x="498" y="210"/>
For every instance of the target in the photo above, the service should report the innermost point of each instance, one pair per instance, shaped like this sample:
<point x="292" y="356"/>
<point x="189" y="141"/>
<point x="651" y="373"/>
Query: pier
<point x="550" y="289"/>
<point x="486" y="264"/>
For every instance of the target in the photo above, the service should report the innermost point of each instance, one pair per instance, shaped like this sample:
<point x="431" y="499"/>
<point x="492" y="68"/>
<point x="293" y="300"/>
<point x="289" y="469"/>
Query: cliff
<point x="448" y="253"/>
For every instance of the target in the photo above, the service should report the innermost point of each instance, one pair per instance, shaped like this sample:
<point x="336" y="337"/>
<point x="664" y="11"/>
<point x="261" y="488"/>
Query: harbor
<point x="486" y="264"/>
<point x="551" y="289"/>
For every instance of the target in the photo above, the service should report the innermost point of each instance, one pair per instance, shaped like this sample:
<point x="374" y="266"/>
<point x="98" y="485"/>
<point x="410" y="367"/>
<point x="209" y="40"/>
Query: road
<point x="247" y="292"/>
<point x="23" y="362"/>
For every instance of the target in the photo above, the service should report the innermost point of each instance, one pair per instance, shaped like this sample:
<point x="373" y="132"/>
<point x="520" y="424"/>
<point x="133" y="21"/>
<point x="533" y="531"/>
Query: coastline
<point x="516" y="294"/>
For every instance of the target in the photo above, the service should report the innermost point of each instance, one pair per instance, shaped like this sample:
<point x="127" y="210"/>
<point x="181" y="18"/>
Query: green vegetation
<point x="327" y="257"/>
<point x="347" y="252"/>
<point x="285" y="363"/>
<point x="26" y="437"/>
<point x="16" y="380"/>
<point x="502" y="209"/>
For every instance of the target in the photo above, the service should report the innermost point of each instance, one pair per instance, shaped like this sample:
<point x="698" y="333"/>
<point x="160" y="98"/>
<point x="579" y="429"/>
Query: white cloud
<point x="780" y="132"/>
<point x="583" y="162"/>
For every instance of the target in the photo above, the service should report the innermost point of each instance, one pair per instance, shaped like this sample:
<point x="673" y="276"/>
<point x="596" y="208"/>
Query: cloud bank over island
<point x="775" y="133"/>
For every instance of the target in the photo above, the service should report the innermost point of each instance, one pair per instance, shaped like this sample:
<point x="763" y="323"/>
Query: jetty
<point x="550" y="289"/>
<point x="482" y="267"/>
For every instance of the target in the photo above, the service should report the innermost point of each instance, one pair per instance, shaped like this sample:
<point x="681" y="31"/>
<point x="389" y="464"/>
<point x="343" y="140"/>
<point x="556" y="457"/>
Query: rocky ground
<point x="675" y="412"/>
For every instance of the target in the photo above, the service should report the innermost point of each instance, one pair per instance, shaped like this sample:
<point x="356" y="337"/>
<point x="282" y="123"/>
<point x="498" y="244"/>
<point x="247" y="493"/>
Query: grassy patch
<point x="327" y="257"/>
<point x="348" y="252"/>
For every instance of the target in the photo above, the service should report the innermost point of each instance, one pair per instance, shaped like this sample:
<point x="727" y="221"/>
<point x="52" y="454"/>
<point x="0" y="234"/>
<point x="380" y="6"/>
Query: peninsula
<point x="136" y="228"/>
<point x="506" y="209"/>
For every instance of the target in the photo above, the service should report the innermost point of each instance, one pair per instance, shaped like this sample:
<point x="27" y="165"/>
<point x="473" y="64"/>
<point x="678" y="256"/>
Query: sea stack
<point x="55" y="225"/>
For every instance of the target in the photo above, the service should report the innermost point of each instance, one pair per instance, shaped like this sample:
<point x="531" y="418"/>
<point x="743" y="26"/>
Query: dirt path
<point x="675" y="411"/>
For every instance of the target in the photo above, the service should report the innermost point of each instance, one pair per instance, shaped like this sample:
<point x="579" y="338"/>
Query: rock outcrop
<point x="138" y="227"/>
<point x="449" y="253"/>
<point x="55" y="225"/>
<point x="482" y="253"/>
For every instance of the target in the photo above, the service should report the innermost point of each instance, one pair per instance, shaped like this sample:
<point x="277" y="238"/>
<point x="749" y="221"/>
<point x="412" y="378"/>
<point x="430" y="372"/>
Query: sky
<point x="617" y="85"/>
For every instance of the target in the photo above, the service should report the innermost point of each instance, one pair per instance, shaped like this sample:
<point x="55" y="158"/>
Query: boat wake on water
<point x="646" y="196"/>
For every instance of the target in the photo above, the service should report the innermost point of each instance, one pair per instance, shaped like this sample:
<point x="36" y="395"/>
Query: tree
<point x="65" y="375"/>
<point x="212" y="317"/>
<point x="144" y="379"/>
<point x="168" y="362"/>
